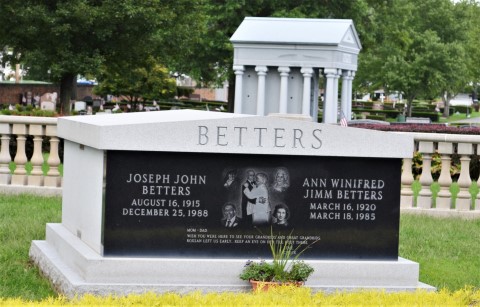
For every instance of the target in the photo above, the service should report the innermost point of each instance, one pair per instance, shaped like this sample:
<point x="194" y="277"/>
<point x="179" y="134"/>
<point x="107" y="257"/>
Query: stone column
<point x="36" y="175"/>
<point x="406" y="199"/>
<point x="238" y="70"/>
<point x="346" y="105"/>
<point x="444" y="197"/>
<point x="350" y="91"/>
<point x="335" y="93"/>
<point x="5" y="159"/>
<point x="284" y="73"/>
<point x="345" y="94"/>
<point x="262" y="73"/>
<point x="331" y="97"/>
<point x="424" y="199"/>
<point x="19" y="176"/>
<point x="465" y="150"/>
<point x="307" y="84"/>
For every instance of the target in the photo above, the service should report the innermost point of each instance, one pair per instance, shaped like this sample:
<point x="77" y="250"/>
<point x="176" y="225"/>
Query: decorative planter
<point x="266" y="285"/>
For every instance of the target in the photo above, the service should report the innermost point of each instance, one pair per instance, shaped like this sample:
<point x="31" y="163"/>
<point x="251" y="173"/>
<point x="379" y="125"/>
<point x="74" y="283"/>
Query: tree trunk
<point x="409" y="107"/>
<point x="446" y="104"/>
<point x="66" y="89"/>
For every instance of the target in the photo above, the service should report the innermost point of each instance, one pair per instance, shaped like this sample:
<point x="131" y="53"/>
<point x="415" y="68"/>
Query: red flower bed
<point x="427" y="128"/>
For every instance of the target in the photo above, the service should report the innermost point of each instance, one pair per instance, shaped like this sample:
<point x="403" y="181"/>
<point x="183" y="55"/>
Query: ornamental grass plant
<point x="284" y="267"/>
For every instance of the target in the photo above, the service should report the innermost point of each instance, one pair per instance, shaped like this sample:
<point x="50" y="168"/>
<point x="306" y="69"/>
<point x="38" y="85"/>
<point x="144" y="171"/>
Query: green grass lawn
<point x="23" y="219"/>
<point x="448" y="250"/>
<point x="456" y="117"/>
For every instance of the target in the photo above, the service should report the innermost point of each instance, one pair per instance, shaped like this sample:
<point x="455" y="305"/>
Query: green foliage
<point x="28" y="111"/>
<point x="184" y="91"/>
<point x="434" y="116"/>
<point x="147" y="81"/>
<point x="375" y="117"/>
<point x="300" y="271"/>
<point x="261" y="271"/>
<point x="285" y="266"/>
<point x="446" y="248"/>
<point x="463" y="109"/>
<point x="62" y="39"/>
<point x="22" y="219"/>
<point x="278" y="296"/>
<point x="420" y="49"/>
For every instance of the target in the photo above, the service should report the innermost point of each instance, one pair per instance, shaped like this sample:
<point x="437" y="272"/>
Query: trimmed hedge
<point x="432" y="115"/>
<point x="429" y="128"/>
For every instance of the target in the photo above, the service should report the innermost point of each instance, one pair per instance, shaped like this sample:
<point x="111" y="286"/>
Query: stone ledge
<point x="75" y="269"/>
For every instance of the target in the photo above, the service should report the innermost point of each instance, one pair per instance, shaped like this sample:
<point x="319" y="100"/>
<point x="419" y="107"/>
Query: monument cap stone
<point x="215" y="132"/>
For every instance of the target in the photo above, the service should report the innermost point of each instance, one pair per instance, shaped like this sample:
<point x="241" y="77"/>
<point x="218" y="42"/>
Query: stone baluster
<point x="19" y="176"/>
<point x="5" y="132"/>
<point x="36" y="175"/>
<point x="444" y="197"/>
<point x="465" y="150"/>
<point x="406" y="199"/>
<point x="424" y="199"/>
<point x="53" y="176"/>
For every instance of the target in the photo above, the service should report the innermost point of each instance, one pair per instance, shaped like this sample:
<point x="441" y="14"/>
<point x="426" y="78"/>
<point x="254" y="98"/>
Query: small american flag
<point x="343" y="121"/>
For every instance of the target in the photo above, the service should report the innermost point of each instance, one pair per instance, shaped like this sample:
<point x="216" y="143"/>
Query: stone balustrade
<point x="41" y="130"/>
<point x="427" y="144"/>
<point x="446" y="146"/>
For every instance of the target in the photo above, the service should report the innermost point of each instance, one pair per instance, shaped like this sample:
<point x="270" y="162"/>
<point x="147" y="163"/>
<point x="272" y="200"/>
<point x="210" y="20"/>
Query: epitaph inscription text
<point x="226" y="205"/>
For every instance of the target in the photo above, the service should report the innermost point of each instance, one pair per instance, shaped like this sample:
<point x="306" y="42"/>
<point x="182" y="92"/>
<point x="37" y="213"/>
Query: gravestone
<point x="147" y="196"/>
<point x="80" y="106"/>
<point x="47" y="106"/>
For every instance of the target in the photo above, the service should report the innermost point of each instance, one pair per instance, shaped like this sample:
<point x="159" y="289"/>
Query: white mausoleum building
<point x="278" y="63"/>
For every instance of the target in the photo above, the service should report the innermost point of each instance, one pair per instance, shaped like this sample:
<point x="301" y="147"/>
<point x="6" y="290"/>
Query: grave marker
<point x="145" y="194"/>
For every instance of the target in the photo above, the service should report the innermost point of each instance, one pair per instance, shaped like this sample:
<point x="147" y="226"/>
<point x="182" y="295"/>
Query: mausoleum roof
<point x="262" y="30"/>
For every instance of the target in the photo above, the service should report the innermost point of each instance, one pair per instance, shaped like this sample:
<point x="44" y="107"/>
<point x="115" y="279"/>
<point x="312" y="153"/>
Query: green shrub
<point x="463" y="109"/>
<point x="432" y="115"/>
<point x="184" y="91"/>
<point x="375" y="117"/>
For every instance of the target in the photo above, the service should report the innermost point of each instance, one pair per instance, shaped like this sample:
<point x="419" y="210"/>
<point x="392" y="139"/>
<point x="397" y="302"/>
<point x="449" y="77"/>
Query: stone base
<point x="74" y="268"/>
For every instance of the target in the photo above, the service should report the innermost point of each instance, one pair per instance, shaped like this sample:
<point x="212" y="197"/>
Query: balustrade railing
<point x="466" y="202"/>
<point x="35" y="136"/>
<point x="41" y="134"/>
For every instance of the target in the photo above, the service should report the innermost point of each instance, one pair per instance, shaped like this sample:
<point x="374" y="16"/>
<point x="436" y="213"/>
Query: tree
<point x="419" y="50"/>
<point x="72" y="37"/>
<point x="214" y="54"/>
<point x="139" y="83"/>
